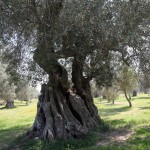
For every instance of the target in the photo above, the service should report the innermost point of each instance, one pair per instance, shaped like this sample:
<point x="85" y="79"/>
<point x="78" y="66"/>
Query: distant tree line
<point x="9" y="91"/>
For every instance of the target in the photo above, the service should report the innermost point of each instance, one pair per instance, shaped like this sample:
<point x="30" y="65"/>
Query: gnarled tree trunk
<point x="9" y="104"/>
<point x="83" y="87"/>
<point x="61" y="113"/>
<point x="134" y="93"/>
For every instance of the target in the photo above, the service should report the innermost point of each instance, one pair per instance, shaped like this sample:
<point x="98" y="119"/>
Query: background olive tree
<point x="127" y="81"/>
<point x="7" y="89"/>
<point x="27" y="93"/>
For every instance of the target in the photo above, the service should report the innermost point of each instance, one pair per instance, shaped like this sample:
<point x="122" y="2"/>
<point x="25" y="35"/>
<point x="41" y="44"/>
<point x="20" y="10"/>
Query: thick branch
<point x="50" y="59"/>
<point x="44" y="54"/>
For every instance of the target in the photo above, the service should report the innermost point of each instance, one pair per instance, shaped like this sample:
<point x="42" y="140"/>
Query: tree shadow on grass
<point x="113" y="111"/>
<point x="16" y="106"/>
<point x="145" y="108"/>
<point x="121" y="124"/>
<point x="8" y="108"/>
<point x="22" y="105"/>
<point x="125" y="139"/>
<point x="139" y="98"/>
<point x="8" y="135"/>
<point x="141" y="137"/>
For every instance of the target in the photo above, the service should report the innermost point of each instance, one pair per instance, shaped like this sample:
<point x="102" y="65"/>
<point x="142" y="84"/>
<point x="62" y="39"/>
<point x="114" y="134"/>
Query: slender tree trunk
<point x="113" y="101"/>
<point x="128" y="98"/>
<point x="27" y="102"/>
<point x="108" y="100"/>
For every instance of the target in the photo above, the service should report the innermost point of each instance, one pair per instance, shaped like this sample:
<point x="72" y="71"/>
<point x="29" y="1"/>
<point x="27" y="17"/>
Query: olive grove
<point x="73" y="42"/>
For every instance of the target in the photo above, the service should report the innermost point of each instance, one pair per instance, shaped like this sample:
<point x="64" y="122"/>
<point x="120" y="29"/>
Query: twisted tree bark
<point x="61" y="113"/>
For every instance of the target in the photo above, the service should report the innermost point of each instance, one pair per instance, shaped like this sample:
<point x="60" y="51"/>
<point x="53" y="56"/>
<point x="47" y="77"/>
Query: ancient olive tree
<point x="7" y="90"/>
<point x="80" y="35"/>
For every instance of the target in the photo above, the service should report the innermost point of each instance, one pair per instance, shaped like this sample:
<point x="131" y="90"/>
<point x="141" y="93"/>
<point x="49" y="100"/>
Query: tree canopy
<point x="94" y="30"/>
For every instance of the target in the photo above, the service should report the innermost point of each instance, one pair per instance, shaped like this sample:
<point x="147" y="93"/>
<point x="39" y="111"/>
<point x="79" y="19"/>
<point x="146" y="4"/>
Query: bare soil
<point x="115" y="137"/>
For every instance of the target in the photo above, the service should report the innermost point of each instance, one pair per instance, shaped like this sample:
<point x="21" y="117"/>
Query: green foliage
<point x="111" y="93"/>
<point x="26" y="92"/>
<point x="7" y="89"/>
<point x="96" y="91"/>
<point x="10" y="91"/>
<point x="144" y="83"/>
<point x="127" y="79"/>
<point x="94" y="30"/>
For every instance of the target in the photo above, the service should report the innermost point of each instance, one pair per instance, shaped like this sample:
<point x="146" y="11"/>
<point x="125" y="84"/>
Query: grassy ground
<point x="14" y="122"/>
<point x="130" y="127"/>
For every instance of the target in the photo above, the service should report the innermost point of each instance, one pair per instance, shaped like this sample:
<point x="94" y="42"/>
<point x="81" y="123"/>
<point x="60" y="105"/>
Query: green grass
<point x="125" y="119"/>
<point x="120" y="114"/>
<point x="120" y="118"/>
<point x="15" y="121"/>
